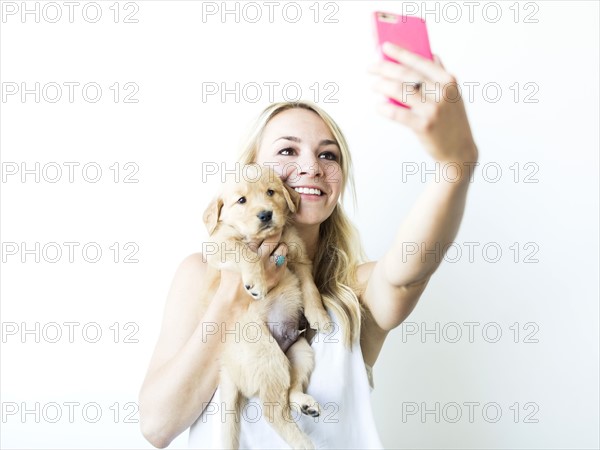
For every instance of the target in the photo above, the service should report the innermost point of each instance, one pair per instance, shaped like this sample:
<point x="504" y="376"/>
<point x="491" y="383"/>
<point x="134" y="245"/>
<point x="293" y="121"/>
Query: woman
<point x="366" y="300"/>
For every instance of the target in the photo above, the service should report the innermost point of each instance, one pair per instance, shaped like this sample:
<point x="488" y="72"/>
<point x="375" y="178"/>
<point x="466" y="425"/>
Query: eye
<point x="241" y="200"/>
<point x="329" y="156"/>
<point x="270" y="192"/>
<point x="286" y="151"/>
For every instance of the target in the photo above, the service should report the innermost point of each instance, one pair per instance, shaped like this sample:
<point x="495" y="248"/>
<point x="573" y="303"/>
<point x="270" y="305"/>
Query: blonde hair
<point x="339" y="251"/>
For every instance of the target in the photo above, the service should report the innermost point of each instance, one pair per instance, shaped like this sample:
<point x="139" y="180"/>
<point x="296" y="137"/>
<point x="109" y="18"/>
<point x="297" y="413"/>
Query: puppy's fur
<point x="244" y="215"/>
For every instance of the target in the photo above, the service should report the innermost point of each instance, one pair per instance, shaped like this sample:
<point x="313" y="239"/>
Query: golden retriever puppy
<point x="244" y="215"/>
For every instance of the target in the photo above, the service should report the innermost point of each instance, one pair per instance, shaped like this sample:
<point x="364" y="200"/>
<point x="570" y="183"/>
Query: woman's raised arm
<point x="437" y="116"/>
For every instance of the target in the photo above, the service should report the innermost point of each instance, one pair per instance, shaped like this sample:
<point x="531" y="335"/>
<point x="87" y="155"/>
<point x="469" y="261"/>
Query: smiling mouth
<point x="310" y="191"/>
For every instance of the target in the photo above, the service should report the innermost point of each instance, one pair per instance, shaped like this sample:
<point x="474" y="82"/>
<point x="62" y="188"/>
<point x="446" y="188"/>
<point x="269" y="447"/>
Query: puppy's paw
<point x="305" y="404"/>
<point x="257" y="289"/>
<point x="319" y="320"/>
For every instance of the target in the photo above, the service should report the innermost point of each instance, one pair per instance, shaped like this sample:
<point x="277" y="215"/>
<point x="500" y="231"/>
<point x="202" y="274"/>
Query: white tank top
<point x="340" y="382"/>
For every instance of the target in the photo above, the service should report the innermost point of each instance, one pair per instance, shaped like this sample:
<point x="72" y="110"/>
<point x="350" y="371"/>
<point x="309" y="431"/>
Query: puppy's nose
<point x="265" y="216"/>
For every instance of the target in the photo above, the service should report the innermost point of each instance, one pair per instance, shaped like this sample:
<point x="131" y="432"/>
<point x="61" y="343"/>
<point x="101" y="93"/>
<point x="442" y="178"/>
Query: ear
<point x="212" y="213"/>
<point x="291" y="197"/>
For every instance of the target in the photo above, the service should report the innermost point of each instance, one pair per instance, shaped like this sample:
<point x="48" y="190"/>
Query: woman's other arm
<point x="184" y="369"/>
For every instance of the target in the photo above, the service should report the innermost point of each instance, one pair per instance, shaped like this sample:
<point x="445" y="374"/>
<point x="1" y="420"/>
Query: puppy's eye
<point x="270" y="192"/>
<point x="242" y="200"/>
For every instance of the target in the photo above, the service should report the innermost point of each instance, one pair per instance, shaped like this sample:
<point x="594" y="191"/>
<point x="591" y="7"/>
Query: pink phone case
<point x="405" y="31"/>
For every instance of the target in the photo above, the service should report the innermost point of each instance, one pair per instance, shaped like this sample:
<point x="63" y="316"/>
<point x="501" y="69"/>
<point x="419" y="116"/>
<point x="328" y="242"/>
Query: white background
<point x="170" y="132"/>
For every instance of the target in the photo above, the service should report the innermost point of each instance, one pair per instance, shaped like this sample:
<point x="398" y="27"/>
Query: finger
<point x="415" y="62"/>
<point x="406" y="93"/>
<point x="438" y="61"/>
<point x="279" y="261"/>
<point x="427" y="98"/>
<point x="399" y="114"/>
<point x="282" y="249"/>
<point x="268" y="246"/>
<point x="279" y="256"/>
<point x="396" y="71"/>
<point x="421" y="104"/>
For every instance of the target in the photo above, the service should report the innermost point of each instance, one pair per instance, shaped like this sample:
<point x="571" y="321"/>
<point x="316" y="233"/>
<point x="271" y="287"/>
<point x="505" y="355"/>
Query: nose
<point x="309" y="165"/>
<point x="265" y="216"/>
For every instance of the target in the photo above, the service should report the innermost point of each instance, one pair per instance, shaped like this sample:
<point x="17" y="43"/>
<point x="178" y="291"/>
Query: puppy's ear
<point x="291" y="197"/>
<point x="212" y="213"/>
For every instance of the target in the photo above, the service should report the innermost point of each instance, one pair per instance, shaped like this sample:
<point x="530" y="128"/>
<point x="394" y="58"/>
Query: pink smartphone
<point x="405" y="31"/>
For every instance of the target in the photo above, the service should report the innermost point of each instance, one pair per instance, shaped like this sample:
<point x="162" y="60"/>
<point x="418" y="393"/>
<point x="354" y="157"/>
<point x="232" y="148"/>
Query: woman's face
<point x="298" y="145"/>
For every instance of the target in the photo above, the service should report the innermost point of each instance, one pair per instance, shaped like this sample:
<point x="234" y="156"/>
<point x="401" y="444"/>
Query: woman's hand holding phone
<point x="435" y="112"/>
